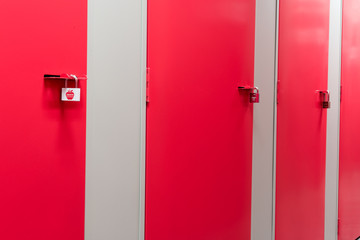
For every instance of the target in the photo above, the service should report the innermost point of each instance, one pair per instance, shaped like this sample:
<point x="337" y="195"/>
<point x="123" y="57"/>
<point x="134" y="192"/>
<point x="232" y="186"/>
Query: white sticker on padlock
<point x="70" y="94"/>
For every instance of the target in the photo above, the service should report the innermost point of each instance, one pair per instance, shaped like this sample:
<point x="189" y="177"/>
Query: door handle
<point x="254" y="93"/>
<point x="64" y="76"/>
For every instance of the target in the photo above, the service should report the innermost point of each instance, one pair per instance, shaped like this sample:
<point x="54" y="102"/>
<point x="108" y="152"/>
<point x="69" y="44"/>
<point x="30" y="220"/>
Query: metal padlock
<point x="325" y="99"/>
<point x="71" y="94"/>
<point x="255" y="95"/>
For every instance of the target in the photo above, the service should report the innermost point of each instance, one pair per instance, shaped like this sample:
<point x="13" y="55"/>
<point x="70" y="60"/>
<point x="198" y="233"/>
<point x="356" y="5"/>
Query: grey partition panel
<point x="265" y="55"/>
<point x="333" y="124"/>
<point x="114" y="119"/>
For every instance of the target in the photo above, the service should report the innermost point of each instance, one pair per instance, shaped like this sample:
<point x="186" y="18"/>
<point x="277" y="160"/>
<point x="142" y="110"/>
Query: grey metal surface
<point x="143" y="120"/>
<point x="114" y="120"/>
<point x="333" y="121"/>
<point x="275" y="121"/>
<point x="262" y="187"/>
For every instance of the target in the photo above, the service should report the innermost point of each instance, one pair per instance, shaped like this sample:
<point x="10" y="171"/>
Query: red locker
<point x="199" y="125"/>
<point x="42" y="140"/>
<point x="349" y="172"/>
<point x="301" y="120"/>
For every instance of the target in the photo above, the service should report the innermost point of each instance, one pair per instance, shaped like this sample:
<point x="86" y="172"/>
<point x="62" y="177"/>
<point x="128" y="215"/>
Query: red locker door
<point x="349" y="173"/>
<point x="42" y="140"/>
<point x="301" y="122"/>
<point x="199" y="125"/>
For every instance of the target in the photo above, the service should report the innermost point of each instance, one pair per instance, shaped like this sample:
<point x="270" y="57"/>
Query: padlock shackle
<point x="73" y="77"/>
<point x="76" y="80"/>
<point x="326" y="95"/>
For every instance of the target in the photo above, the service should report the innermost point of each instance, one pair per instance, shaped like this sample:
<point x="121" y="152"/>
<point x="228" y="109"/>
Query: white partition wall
<point x="114" y="119"/>
<point x="262" y="179"/>
<point x="333" y="124"/>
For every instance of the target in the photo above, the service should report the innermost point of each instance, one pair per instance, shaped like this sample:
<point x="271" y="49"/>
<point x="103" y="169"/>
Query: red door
<point x="301" y="121"/>
<point x="349" y="178"/>
<point x="42" y="140"/>
<point x="199" y="125"/>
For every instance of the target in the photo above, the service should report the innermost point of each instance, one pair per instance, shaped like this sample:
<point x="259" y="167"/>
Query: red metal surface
<point x="199" y="125"/>
<point x="301" y="120"/>
<point x="349" y="178"/>
<point x="42" y="140"/>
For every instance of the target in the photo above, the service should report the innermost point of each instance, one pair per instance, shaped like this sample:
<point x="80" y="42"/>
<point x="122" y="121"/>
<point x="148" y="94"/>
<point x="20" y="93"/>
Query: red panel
<point x="42" y="140"/>
<point x="349" y="191"/>
<point x="199" y="125"/>
<point x="301" y="122"/>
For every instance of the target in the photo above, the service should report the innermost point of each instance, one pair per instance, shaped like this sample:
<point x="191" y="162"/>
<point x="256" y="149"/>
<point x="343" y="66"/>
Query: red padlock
<point x="325" y="99"/>
<point x="255" y="95"/>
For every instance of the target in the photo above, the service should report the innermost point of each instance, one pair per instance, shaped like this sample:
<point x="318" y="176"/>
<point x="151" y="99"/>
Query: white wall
<point x="262" y="179"/>
<point x="332" y="151"/>
<point x="115" y="61"/>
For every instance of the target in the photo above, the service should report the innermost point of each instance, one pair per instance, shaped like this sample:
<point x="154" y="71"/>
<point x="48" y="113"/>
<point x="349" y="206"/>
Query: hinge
<point x="147" y="84"/>
<point x="340" y="92"/>
<point x="277" y="91"/>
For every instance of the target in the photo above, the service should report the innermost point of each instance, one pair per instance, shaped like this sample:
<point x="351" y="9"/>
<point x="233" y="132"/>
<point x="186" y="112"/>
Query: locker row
<point x="201" y="98"/>
<point x="248" y="127"/>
